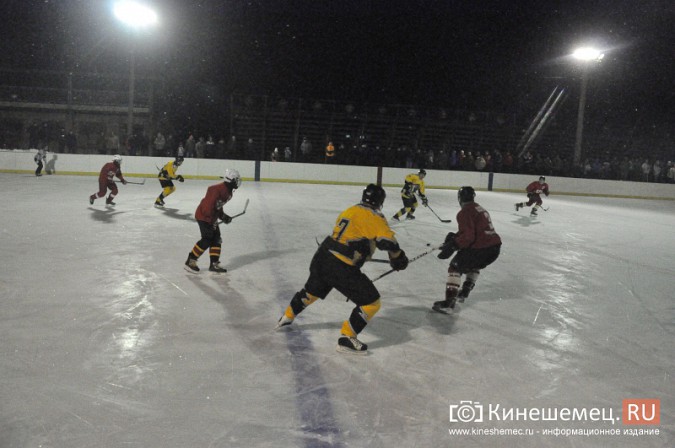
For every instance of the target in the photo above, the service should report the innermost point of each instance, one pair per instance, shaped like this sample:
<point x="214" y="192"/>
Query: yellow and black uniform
<point x="358" y="231"/>
<point x="414" y="185"/>
<point x="166" y="176"/>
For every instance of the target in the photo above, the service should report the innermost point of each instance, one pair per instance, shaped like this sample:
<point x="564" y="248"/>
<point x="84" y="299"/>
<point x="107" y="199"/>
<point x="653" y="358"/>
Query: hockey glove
<point x="180" y="178"/>
<point x="399" y="263"/>
<point x="226" y="218"/>
<point x="124" y="182"/>
<point x="425" y="201"/>
<point x="449" y="247"/>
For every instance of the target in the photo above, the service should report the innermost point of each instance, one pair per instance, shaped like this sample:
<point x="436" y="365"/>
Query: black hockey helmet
<point x="179" y="160"/>
<point x="422" y="173"/>
<point x="466" y="194"/>
<point x="373" y="195"/>
<point x="542" y="179"/>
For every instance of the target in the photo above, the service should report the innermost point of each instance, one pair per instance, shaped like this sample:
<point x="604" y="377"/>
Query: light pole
<point x="137" y="17"/>
<point x="586" y="55"/>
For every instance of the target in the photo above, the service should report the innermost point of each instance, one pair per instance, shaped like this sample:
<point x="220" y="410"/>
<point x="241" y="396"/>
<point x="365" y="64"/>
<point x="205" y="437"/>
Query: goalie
<point x="477" y="245"/>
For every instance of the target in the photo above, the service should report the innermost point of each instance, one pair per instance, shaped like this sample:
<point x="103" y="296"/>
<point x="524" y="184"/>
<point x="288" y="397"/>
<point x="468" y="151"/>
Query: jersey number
<point x="343" y="224"/>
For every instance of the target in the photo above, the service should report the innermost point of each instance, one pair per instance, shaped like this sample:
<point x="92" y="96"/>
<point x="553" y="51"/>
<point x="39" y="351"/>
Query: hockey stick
<point x="219" y="222"/>
<point x="415" y="258"/>
<point x="244" y="211"/>
<point x="374" y="260"/>
<point x="136" y="183"/>
<point x="439" y="218"/>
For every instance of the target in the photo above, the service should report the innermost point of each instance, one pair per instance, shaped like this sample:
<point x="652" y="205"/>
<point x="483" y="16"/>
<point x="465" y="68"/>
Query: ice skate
<point x="159" y="203"/>
<point x="191" y="265"/>
<point x="351" y="345"/>
<point x="533" y="212"/>
<point x="284" y="321"/>
<point x="217" y="268"/>
<point x="91" y="200"/>
<point x="409" y="216"/>
<point x="444" y="306"/>
<point x="109" y="202"/>
<point x="395" y="218"/>
<point x="519" y="206"/>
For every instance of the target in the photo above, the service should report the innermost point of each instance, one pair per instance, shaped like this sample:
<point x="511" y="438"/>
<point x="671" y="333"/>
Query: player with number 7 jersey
<point x="358" y="231"/>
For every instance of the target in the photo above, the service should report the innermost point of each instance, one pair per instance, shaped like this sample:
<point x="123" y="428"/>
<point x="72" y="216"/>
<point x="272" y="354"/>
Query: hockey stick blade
<point x="136" y="183"/>
<point x="439" y="218"/>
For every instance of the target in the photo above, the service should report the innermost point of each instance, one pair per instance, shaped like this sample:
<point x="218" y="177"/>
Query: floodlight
<point x="135" y="14"/>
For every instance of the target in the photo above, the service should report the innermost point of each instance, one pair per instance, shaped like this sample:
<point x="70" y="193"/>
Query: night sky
<point x="487" y="55"/>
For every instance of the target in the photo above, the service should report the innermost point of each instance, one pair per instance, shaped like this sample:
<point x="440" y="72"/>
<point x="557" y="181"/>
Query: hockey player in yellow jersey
<point x="414" y="185"/>
<point x="358" y="231"/>
<point x="166" y="176"/>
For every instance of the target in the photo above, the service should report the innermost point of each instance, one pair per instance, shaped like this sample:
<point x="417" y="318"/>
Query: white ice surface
<point x="108" y="342"/>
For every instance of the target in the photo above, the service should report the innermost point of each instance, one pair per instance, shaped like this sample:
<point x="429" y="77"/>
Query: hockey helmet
<point x="117" y="159"/>
<point x="466" y="194"/>
<point x="179" y="160"/>
<point x="373" y="195"/>
<point x="542" y="179"/>
<point x="422" y="173"/>
<point x="232" y="178"/>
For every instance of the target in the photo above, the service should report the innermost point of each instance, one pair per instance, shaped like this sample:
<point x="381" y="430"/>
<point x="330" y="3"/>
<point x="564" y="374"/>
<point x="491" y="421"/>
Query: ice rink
<point x="107" y="341"/>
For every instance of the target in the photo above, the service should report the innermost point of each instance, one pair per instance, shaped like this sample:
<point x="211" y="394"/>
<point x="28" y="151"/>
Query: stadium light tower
<point x="587" y="56"/>
<point x="136" y="17"/>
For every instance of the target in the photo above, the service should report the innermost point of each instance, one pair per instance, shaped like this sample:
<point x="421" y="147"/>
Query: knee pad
<point x="471" y="279"/>
<point x="168" y="190"/>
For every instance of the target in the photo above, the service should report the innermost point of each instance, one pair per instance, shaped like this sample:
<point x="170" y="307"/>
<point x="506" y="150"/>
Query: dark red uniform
<point x="208" y="212"/>
<point x="211" y="207"/>
<point x="475" y="228"/>
<point x="106" y="181"/>
<point x="534" y="190"/>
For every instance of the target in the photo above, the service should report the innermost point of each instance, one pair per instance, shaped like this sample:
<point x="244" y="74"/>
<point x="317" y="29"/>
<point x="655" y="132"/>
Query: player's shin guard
<point x="167" y="191"/>
<point x="301" y="300"/>
<point x="452" y="286"/>
<point x="197" y="251"/>
<point x="214" y="254"/>
<point x="467" y="286"/>
<point x="359" y="318"/>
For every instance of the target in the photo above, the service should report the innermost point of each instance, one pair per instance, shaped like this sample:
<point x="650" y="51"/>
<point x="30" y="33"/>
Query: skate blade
<point x="341" y="349"/>
<point x="190" y="270"/>
<point x="440" y="310"/>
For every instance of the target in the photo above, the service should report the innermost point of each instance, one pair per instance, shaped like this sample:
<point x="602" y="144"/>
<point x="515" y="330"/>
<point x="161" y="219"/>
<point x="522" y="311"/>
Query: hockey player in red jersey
<point x="106" y="180"/>
<point x="477" y="245"/>
<point x="208" y="212"/>
<point x="534" y="191"/>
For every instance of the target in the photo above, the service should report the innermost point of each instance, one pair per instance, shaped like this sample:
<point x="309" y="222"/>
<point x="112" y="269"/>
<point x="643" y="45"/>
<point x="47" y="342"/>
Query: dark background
<point x="484" y="55"/>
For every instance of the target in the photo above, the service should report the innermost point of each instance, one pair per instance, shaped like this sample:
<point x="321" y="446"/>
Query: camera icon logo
<point x="466" y="412"/>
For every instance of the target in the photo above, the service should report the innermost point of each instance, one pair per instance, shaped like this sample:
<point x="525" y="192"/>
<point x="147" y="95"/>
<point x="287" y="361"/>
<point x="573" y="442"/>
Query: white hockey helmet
<point x="117" y="159"/>
<point x="232" y="178"/>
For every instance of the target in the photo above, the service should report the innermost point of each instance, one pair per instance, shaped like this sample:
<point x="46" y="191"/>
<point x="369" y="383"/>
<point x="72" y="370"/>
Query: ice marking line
<point x="313" y="401"/>
<point x="174" y="285"/>
<point x="537" y="315"/>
